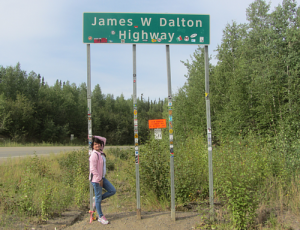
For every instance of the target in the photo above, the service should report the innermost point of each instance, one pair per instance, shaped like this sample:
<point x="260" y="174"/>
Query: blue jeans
<point x="110" y="190"/>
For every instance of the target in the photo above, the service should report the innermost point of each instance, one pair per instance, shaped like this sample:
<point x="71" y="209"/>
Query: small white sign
<point x="157" y="134"/>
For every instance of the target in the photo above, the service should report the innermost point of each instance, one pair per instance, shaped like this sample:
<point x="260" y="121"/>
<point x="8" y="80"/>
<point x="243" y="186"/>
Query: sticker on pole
<point x="136" y="159"/>
<point x="157" y="124"/>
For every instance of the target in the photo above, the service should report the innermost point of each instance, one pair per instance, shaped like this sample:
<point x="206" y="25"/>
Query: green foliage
<point x="190" y="166"/>
<point x="81" y="188"/>
<point x="241" y="167"/>
<point x="189" y="115"/>
<point x="26" y="193"/>
<point x="191" y="171"/>
<point x="154" y="168"/>
<point x="39" y="186"/>
<point x="123" y="154"/>
<point x="74" y="165"/>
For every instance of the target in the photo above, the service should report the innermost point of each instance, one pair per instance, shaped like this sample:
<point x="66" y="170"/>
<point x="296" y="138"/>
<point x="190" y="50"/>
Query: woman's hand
<point x="101" y="183"/>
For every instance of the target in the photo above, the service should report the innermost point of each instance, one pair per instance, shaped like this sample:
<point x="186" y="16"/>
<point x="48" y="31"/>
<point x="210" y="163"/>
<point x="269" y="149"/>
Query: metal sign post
<point x="171" y="134"/>
<point x="89" y="103"/>
<point x="136" y="140"/>
<point x="209" y="140"/>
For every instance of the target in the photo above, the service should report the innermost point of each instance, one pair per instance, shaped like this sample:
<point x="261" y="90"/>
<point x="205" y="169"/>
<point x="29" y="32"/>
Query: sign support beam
<point x="136" y="150"/>
<point x="171" y="133"/>
<point x="209" y="140"/>
<point x="89" y="103"/>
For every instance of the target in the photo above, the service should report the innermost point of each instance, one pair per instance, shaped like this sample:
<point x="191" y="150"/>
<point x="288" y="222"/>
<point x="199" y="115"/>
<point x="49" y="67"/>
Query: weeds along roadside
<point x="34" y="189"/>
<point x="252" y="181"/>
<point x="40" y="187"/>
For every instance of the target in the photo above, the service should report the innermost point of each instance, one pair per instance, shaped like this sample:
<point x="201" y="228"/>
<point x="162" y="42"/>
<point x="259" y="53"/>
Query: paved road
<point x="6" y="152"/>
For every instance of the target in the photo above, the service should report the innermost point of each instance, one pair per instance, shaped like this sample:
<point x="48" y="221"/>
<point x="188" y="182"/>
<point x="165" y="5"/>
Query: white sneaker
<point x="103" y="220"/>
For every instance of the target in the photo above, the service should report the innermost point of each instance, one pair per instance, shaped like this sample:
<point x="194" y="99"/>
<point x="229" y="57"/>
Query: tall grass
<point x="34" y="189"/>
<point x="42" y="187"/>
<point x="252" y="182"/>
<point x="252" y="179"/>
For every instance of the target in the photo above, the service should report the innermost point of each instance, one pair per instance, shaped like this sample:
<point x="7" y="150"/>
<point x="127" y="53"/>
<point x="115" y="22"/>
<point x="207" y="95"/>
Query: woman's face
<point x="97" y="146"/>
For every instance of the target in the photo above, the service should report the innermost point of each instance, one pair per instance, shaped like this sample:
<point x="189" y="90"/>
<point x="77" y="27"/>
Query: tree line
<point x="33" y="111"/>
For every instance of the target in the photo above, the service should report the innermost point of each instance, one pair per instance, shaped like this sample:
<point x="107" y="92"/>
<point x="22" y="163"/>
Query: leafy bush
<point x="155" y="168"/>
<point x="240" y="170"/>
<point x="123" y="154"/>
<point x="73" y="163"/>
<point x="44" y="186"/>
<point x="190" y="166"/>
<point x="191" y="169"/>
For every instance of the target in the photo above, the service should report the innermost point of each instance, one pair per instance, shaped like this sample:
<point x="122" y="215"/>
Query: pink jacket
<point x="96" y="163"/>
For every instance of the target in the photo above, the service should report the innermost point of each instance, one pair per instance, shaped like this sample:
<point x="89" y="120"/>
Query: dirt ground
<point x="150" y="220"/>
<point x="162" y="221"/>
<point x="123" y="219"/>
<point x="79" y="220"/>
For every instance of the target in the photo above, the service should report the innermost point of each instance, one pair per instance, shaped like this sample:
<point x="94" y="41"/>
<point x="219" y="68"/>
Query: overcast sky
<point x="45" y="36"/>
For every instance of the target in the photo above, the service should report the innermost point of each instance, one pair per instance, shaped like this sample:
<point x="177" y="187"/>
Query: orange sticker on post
<point x="157" y="124"/>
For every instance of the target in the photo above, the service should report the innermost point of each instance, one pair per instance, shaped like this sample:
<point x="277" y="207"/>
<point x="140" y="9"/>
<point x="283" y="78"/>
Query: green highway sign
<point x="146" y="28"/>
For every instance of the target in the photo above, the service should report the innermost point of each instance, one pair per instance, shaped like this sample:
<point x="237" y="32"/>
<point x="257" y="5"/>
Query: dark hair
<point x="96" y="140"/>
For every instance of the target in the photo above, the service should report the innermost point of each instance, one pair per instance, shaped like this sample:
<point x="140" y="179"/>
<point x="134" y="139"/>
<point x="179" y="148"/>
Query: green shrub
<point x="73" y="161"/>
<point x="42" y="187"/>
<point x="123" y="154"/>
<point x="154" y="161"/>
<point x="240" y="170"/>
<point x="191" y="169"/>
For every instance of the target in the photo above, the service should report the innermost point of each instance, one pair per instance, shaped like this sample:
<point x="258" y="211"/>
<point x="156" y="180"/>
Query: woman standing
<point x="97" y="175"/>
